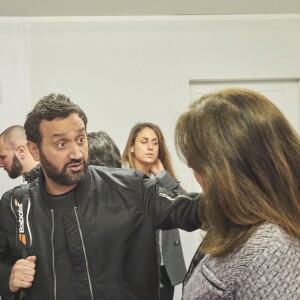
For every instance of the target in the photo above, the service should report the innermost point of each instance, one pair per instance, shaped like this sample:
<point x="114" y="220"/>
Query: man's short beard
<point x="61" y="177"/>
<point x="16" y="168"/>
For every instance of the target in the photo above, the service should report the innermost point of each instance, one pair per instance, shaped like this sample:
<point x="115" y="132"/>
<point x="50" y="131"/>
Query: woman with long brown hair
<point x="246" y="157"/>
<point x="146" y="151"/>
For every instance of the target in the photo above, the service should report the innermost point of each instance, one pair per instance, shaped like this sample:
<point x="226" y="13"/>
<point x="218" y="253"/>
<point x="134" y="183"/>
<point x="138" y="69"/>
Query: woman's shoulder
<point x="261" y="257"/>
<point x="265" y="241"/>
<point x="269" y="236"/>
<point x="274" y="268"/>
<point x="266" y="244"/>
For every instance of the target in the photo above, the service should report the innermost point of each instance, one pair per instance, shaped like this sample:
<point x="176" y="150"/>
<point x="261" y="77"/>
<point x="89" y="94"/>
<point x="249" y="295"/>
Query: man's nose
<point x="76" y="152"/>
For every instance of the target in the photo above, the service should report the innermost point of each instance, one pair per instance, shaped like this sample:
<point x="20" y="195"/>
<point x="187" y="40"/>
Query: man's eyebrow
<point x="62" y="134"/>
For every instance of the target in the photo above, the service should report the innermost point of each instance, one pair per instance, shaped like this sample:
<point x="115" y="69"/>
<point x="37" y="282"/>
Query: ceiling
<point x="46" y="8"/>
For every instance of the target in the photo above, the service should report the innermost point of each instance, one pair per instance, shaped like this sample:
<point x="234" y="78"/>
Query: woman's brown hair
<point x="163" y="154"/>
<point x="249" y="158"/>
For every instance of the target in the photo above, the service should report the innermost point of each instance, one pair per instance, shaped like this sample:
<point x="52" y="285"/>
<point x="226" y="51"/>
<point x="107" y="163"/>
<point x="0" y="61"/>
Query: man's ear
<point x="21" y="151"/>
<point x="34" y="150"/>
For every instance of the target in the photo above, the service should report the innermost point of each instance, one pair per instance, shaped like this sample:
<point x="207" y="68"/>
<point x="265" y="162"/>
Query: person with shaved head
<point x="15" y="157"/>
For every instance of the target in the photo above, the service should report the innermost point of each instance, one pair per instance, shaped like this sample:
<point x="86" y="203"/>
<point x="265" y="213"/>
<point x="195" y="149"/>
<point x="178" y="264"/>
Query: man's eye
<point x="81" y="140"/>
<point x="61" y="145"/>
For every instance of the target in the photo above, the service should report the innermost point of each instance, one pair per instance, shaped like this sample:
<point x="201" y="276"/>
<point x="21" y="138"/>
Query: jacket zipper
<point x="53" y="256"/>
<point x="84" y="251"/>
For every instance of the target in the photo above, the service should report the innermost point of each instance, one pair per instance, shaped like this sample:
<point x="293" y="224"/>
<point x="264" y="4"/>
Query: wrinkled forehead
<point x="71" y="125"/>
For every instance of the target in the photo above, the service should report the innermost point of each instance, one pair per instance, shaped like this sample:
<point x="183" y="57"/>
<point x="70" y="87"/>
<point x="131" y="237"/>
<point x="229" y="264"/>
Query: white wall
<point x="125" y="70"/>
<point x="14" y="81"/>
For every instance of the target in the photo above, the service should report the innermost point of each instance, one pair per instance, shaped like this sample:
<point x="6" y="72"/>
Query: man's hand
<point x="22" y="274"/>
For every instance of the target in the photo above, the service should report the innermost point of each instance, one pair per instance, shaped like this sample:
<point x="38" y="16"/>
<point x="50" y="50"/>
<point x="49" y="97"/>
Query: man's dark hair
<point x="103" y="150"/>
<point x="48" y="108"/>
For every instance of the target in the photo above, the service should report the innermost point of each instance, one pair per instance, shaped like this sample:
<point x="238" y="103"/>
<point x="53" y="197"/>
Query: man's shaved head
<point x="13" y="136"/>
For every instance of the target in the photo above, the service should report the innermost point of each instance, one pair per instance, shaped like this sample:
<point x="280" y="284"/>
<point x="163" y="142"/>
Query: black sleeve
<point x="169" y="183"/>
<point x="170" y="210"/>
<point x="5" y="252"/>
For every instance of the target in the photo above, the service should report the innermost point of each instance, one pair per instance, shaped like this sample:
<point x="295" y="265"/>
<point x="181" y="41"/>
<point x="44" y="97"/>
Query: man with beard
<point x="15" y="157"/>
<point x="91" y="229"/>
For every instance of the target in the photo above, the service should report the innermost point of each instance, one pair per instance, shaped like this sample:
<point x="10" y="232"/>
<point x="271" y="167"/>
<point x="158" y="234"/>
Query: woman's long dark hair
<point x="249" y="158"/>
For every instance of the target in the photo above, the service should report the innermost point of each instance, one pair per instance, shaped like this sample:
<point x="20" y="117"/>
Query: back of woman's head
<point x="163" y="154"/>
<point x="249" y="158"/>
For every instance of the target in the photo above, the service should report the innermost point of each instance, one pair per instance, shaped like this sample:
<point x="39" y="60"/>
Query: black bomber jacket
<point x="110" y="232"/>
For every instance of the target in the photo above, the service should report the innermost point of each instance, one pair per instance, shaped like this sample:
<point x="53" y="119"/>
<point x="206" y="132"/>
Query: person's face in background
<point x="9" y="161"/>
<point x="145" y="147"/>
<point x="64" y="150"/>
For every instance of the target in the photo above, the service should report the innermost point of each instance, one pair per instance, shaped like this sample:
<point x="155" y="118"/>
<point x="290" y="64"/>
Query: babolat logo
<point x="22" y="236"/>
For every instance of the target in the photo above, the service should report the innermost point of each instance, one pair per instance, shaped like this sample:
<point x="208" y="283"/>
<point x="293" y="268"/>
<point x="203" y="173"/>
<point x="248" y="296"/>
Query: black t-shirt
<point x="65" y="281"/>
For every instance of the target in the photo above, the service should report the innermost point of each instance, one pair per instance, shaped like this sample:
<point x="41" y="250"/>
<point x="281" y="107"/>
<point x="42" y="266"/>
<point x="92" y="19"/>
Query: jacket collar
<point x="82" y="189"/>
<point x="32" y="175"/>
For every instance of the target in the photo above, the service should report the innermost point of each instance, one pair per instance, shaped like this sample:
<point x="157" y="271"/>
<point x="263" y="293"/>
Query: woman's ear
<point x="34" y="150"/>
